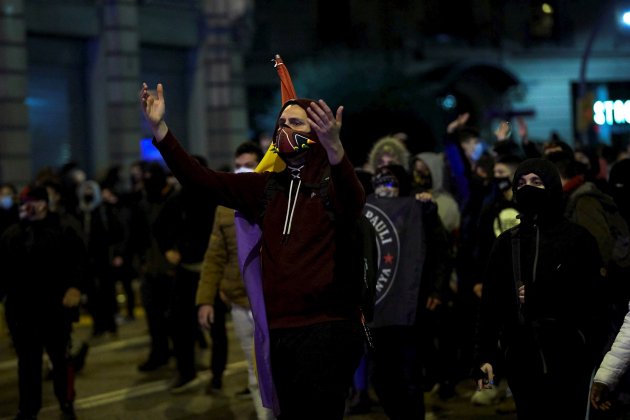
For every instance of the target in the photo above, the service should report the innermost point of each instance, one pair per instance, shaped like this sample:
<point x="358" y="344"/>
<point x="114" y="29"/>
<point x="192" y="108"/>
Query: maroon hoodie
<point x="303" y="275"/>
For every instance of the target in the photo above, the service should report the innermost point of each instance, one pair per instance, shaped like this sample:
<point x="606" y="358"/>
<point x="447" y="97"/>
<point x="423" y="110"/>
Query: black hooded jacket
<point x="560" y="268"/>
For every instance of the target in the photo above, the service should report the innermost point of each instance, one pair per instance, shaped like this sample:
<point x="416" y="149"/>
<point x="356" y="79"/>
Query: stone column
<point x="226" y="102"/>
<point x="122" y="69"/>
<point x="15" y="142"/>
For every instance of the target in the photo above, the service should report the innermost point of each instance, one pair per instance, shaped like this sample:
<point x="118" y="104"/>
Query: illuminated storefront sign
<point x="611" y="112"/>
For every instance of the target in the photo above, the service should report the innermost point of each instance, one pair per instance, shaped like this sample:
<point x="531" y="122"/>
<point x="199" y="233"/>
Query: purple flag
<point x="249" y="238"/>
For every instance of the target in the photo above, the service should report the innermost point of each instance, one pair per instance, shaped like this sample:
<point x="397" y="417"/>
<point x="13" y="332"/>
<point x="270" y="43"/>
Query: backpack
<point x="363" y="252"/>
<point x="617" y="226"/>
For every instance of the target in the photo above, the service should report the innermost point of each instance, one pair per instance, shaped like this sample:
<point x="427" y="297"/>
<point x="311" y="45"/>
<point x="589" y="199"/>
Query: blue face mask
<point x="477" y="152"/>
<point x="6" y="202"/>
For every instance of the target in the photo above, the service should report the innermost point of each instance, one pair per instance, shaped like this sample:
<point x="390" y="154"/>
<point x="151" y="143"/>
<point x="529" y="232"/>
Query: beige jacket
<point x="220" y="269"/>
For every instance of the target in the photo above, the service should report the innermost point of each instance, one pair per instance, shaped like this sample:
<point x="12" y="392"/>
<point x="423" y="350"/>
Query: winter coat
<point x="220" y="270"/>
<point x="617" y="360"/>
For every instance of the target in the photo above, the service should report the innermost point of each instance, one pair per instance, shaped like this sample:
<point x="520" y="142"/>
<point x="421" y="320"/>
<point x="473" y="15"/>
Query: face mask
<point x="422" y="181"/>
<point x="290" y="143"/>
<point x="532" y="200"/>
<point x="88" y="198"/>
<point x="33" y="210"/>
<point x="6" y="202"/>
<point x="385" y="185"/>
<point x="503" y="183"/>
<point x="243" y="169"/>
<point x="477" y="152"/>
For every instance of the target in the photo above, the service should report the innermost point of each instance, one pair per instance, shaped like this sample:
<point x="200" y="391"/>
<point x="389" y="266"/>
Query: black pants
<point x="312" y="368"/>
<point x="102" y="303"/>
<point x="156" y="294"/>
<point x="546" y="380"/>
<point x="398" y="380"/>
<point x="30" y="338"/>
<point x="183" y="319"/>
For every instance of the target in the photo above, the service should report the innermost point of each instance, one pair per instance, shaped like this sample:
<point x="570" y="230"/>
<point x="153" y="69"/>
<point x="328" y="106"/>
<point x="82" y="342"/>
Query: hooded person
<point x="427" y="171"/>
<point x="303" y="293"/>
<point x="388" y="150"/>
<point x="412" y="279"/>
<point x="43" y="261"/>
<point x="542" y="306"/>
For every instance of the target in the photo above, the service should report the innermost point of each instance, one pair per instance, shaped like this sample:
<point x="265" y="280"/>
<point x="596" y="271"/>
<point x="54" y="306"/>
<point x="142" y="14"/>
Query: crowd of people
<point x="512" y="264"/>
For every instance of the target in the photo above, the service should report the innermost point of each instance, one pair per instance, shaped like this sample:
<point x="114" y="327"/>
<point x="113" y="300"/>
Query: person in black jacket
<point x="43" y="262"/>
<point x="182" y="230"/>
<point x="542" y="305"/>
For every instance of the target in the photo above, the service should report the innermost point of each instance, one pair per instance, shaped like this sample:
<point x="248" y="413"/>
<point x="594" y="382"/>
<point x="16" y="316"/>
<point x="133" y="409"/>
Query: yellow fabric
<point x="271" y="162"/>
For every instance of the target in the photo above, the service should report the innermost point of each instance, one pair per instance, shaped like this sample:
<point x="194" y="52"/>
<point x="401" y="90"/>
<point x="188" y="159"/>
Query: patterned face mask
<point x="289" y="143"/>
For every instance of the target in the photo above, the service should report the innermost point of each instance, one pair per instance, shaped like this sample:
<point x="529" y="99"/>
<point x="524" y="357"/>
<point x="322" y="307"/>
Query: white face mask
<point x="243" y="169"/>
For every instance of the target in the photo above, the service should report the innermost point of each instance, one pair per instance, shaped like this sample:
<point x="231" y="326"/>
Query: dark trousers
<point x="156" y="294"/>
<point x="183" y="319"/>
<point x="546" y="380"/>
<point x="218" y="335"/>
<point x="102" y="303"/>
<point x="30" y="338"/>
<point x="397" y="367"/>
<point x="312" y="368"/>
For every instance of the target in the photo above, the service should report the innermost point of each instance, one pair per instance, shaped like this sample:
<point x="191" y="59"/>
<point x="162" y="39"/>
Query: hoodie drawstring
<point x="288" y="219"/>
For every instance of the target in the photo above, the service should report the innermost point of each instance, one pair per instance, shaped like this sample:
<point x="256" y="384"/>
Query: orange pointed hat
<point x="286" y="85"/>
<point x="271" y="162"/>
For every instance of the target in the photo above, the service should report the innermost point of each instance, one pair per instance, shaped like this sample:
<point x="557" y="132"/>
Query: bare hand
<point x="503" y="131"/>
<point x="488" y="381"/>
<point x="600" y="396"/>
<point x="153" y="109"/>
<point x="71" y="298"/>
<point x="327" y="126"/>
<point x="206" y="316"/>
<point x="173" y="256"/>
<point x="478" y="289"/>
<point x="459" y="122"/>
<point x="521" y="294"/>
<point x="425" y="197"/>
<point x="433" y="303"/>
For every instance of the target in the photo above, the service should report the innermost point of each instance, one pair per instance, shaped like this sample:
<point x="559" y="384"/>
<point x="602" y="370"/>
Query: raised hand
<point x="503" y="131"/>
<point x="153" y="109"/>
<point x="459" y="122"/>
<point x="327" y="126"/>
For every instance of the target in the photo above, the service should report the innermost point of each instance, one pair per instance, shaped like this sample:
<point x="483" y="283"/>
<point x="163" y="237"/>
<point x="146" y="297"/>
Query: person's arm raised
<point x="327" y="126"/>
<point x="153" y="109"/>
